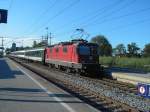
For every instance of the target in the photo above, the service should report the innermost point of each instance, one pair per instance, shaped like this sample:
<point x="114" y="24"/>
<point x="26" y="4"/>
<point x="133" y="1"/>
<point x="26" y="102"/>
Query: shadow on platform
<point x="6" y="72"/>
<point x="33" y="90"/>
<point x="12" y="92"/>
<point x="38" y="101"/>
<point x="60" y="95"/>
<point x="22" y="89"/>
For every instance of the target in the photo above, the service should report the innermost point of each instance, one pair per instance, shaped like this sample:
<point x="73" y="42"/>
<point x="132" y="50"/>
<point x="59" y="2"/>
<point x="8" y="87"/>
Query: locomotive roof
<point x="75" y="41"/>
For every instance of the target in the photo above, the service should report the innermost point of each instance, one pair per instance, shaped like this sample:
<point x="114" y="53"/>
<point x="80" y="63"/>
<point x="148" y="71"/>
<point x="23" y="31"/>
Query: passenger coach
<point x="32" y="55"/>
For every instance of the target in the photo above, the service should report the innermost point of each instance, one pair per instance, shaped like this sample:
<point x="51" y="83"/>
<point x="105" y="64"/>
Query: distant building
<point x="13" y="48"/>
<point x="1" y="51"/>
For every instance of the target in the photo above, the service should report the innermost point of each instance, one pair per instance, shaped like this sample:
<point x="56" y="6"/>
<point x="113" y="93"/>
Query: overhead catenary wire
<point x="124" y="25"/>
<point x="40" y="15"/>
<point x="10" y="4"/>
<point x="90" y="24"/>
<point x="95" y="17"/>
<point x="100" y="10"/>
<point x="56" y="15"/>
<point x="120" y="17"/>
<point x="130" y="24"/>
<point x="107" y="14"/>
<point x="126" y="15"/>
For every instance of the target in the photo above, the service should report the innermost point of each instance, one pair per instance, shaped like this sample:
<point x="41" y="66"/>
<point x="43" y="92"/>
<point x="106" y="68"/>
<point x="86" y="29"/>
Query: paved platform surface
<point x="131" y="76"/>
<point x="23" y="91"/>
<point x="130" y="72"/>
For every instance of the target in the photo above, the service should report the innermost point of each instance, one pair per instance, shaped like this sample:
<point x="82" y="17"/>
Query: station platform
<point x="130" y="76"/>
<point x="23" y="91"/>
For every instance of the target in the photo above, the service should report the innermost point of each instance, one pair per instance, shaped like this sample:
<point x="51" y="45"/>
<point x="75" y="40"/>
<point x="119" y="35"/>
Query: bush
<point x="135" y="63"/>
<point x="107" y="61"/>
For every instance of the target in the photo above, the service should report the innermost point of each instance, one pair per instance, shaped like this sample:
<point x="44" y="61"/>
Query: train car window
<point x="27" y="53"/>
<point x="84" y="50"/>
<point x="32" y="53"/>
<point x="37" y="53"/>
<point x="65" y="50"/>
<point x="40" y="53"/>
<point x="57" y="49"/>
<point x="51" y="50"/>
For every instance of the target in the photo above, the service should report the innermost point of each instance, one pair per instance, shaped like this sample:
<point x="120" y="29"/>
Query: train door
<point x="73" y="54"/>
<point x="57" y="53"/>
<point x="44" y="55"/>
<point x="70" y="54"/>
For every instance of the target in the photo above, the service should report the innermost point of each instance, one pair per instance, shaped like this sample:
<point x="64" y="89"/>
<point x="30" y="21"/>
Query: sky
<point x="121" y="21"/>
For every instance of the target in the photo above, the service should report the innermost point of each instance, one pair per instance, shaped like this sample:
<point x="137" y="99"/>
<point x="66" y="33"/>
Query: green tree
<point x="120" y="50"/>
<point x="133" y="50"/>
<point x="104" y="45"/>
<point x="34" y="44"/>
<point x="146" y="50"/>
<point x="40" y="44"/>
<point x="8" y="50"/>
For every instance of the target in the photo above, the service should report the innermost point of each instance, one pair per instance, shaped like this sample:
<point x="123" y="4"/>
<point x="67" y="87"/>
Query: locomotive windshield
<point x="88" y="50"/>
<point x="84" y="50"/>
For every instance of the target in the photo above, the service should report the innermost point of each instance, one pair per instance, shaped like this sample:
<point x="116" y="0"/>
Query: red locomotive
<point x="76" y="56"/>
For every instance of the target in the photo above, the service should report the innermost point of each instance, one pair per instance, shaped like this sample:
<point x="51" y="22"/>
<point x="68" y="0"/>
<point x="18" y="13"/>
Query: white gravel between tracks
<point x="114" y="93"/>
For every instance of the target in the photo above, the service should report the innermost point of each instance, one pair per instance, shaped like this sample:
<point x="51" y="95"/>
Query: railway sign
<point x="144" y="90"/>
<point x="3" y="15"/>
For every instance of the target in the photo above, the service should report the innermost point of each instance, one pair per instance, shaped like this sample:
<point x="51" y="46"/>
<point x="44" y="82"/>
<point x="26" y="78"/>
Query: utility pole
<point x="2" y="41"/>
<point x="48" y="37"/>
<point x="2" y="44"/>
<point x="22" y="43"/>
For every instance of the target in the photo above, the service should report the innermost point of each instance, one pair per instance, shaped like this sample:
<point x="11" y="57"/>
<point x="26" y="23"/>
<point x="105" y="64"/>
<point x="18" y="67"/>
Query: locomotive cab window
<point x="57" y="49"/>
<point x="51" y="50"/>
<point x="84" y="50"/>
<point x="65" y="50"/>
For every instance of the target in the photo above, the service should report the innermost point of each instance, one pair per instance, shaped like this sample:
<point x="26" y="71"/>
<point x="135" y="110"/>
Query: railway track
<point x="93" y="98"/>
<point x="122" y="85"/>
<point x="128" y="88"/>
